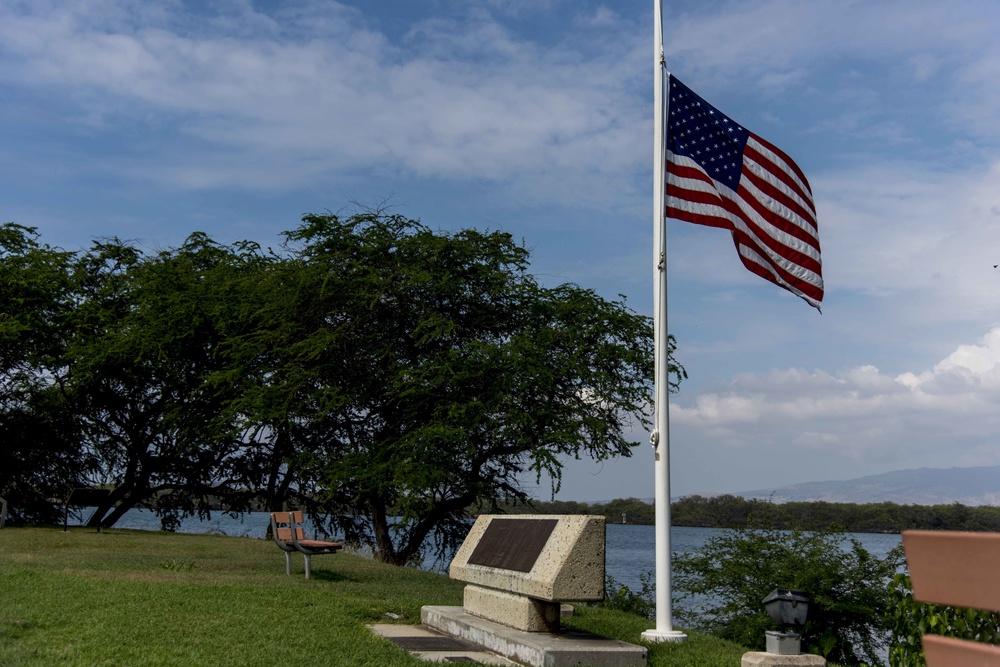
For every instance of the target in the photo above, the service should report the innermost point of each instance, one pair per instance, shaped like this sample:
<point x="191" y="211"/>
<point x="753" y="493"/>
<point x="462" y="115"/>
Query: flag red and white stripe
<point x="720" y="174"/>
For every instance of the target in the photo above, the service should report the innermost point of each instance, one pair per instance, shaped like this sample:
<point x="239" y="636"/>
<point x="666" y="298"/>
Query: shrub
<point x="722" y="588"/>
<point x="619" y="596"/>
<point x="910" y="620"/>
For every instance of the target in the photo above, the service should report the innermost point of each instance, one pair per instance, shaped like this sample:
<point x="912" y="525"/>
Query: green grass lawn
<point x="130" y="598"/>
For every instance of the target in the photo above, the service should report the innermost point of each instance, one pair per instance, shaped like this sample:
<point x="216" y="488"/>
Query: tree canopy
<point x="383" y="375"/>
<point x="41" y="457"/>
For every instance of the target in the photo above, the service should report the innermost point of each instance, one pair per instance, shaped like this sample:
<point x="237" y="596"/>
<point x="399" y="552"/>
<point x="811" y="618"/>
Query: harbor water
<point x="630" y="548"/>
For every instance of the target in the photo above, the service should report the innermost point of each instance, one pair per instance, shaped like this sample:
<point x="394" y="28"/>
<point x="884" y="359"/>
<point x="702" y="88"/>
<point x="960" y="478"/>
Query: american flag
<point x="720" y="174"/>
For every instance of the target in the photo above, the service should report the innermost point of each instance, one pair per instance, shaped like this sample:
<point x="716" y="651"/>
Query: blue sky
<point x="153" y="120"/>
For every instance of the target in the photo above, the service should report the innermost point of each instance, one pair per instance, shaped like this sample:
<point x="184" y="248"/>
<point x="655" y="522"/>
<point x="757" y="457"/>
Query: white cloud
<point x="522" y="7"/>
<point x="974" y="360"/>
<point x="457" y="99"/>
<point x="756" y="49"/>
<point x="758" y="37"/>
<point x="602" y="17"/>
<point x="922" y="237"/>
<point x="943" y="416"/>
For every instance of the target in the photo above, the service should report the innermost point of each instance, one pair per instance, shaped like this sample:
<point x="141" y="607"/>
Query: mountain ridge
<point x="971" y="486"/>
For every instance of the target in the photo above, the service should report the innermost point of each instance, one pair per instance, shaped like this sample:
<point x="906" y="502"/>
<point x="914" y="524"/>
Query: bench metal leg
<point x="308" y="566"/>
<point x="288" y="562"/>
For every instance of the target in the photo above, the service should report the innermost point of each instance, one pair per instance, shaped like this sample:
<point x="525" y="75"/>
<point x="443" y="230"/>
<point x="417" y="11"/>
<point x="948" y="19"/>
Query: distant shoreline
<point x="727" y="511"/>
<point x="735" y="512"/>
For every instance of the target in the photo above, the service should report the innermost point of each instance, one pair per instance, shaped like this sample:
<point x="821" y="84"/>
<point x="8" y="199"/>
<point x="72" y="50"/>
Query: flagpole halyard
<point x="660" y="437"/>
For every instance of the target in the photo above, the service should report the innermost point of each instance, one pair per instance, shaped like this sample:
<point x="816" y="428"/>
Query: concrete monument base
<point x="539" y="649"/>
<point x="754" y="659"/>
<point x="517" y="611"/>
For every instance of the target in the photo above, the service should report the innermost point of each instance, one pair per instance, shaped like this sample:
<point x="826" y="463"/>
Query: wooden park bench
<point x="290" y="536"/>
<point x="958" y="570"/>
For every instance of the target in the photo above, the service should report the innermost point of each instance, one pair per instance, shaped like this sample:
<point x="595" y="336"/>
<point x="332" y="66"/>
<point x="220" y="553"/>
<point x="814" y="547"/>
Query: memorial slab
<point x="545" y="557"/>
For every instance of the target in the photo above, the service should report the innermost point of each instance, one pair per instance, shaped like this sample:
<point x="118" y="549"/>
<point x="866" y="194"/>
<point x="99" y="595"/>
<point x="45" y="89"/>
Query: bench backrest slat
<point x="283" y="529"/>
<point x="959" y="570"/>
<point x="286" y="533"/>
<point x="954" y="568"/>
<point x="951" y="652"/>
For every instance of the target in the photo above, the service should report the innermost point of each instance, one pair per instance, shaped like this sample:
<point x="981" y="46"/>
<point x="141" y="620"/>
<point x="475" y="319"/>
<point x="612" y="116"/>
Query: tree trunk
<point x="418" y="534"/>
<point x="97" y="518"/>
<point x="385" y="551"/>
<point x="119" y="511"/>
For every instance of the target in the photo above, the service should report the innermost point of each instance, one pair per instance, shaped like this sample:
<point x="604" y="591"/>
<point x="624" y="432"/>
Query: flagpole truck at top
<point x="660" y="438"/>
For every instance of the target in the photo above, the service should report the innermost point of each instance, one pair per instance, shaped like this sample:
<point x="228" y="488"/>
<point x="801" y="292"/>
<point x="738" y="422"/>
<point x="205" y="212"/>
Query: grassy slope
<point x="138" y="598"/>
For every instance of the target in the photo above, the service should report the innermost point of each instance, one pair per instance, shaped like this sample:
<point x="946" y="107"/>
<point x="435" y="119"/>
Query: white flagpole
<point x="660" y="438"/>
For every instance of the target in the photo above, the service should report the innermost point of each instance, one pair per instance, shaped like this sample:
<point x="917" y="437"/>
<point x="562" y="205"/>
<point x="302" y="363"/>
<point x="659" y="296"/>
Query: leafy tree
<point x="728" y="511"/>
<point x="271" y="411"/>
<point x="144" y="341"/>
<point x="376" y="372"/>
<point x="725" y="511"/>
<point x="42" y="456"/>
<point x="429" y="371"/>
<point x="722" y="588"/>
<point x="42" y="459"/>
<point x="632" y="509"/>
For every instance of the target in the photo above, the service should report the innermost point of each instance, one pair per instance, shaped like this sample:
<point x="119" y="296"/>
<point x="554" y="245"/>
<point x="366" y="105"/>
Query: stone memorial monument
<point x="519" y="571"/>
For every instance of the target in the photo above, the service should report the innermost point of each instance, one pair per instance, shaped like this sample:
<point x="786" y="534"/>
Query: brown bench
<point x="290" y="536"/>
<point x="959" y="570"/>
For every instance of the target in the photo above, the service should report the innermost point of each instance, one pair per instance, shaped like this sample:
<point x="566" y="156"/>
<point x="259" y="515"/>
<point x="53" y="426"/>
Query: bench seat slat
<point x="950" y="652"/>
<point x="954" y="568"/>
<point x="318" y="544"/>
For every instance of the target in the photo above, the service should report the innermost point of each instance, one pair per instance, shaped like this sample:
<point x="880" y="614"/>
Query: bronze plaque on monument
<point x="513" y="544"/>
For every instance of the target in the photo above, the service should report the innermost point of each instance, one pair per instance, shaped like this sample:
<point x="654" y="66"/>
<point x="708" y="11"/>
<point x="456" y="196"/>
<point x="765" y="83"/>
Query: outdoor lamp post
<point x="788" y="609"/>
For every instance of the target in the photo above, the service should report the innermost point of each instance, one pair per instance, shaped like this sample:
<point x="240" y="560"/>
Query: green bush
<point x="619" y="596"/>
<point x="722" y="588"/>
<point x="910" y="620"/>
